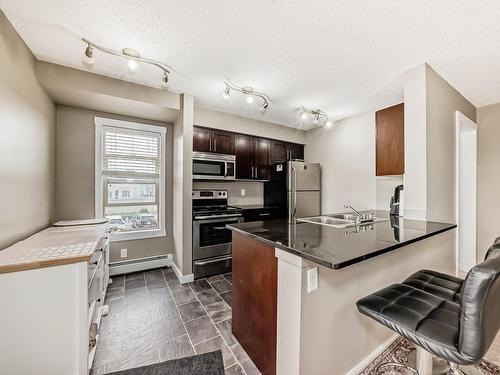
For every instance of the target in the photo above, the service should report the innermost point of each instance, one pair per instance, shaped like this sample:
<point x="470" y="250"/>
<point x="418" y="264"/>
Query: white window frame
<point x="100" y="122"/>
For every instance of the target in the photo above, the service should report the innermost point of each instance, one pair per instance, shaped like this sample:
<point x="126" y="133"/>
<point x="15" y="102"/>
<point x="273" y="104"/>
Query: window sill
<point x="139" y="235"/>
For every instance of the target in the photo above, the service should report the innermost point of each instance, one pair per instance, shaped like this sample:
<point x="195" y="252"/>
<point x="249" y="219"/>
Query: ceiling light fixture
<point x="133" y="58"/>
<point x="225" y="95"/>
<point x="318" y="116"/>
<point x="89" y="54"/>
<point x="250" y="94"/>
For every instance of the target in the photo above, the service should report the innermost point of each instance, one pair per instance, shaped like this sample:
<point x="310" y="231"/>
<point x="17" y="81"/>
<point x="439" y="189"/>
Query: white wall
<point x="346" y="152"/>
<point x="415" y="179"/>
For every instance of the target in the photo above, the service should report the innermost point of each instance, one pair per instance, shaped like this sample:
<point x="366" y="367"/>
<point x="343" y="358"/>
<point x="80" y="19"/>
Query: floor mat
<point x="207" y="364"/>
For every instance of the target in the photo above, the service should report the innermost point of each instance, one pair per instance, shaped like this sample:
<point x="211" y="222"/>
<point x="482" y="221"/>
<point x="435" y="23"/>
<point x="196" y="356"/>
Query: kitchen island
<point x="287" y="324"/>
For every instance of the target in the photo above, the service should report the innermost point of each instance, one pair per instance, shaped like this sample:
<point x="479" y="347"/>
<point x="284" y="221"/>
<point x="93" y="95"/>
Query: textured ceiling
<point x="339" y="56"/>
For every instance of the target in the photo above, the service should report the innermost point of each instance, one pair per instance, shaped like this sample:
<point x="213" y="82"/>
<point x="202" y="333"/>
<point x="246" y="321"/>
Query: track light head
<point x="89" y="54"/>
<point x="164" y="79"/>
<point x="315" y="119"/>
<point x="264" y="106"/>
<point x="249" y="99"/>
<point x="303" y="115"/>
<point x="328" y="124"/>
<point x="227" y="90"/>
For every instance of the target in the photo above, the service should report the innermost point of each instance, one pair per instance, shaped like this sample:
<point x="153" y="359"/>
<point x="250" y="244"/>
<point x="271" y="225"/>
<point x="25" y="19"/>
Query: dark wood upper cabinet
<point x="212" y="140"/>
<point x="279" y="151"/>
<point x="295" y="151"/>
<point x="223" y="142"/>
<point x="390" y="140"/>
<point x="253" y="154"/>
<point x="244" y="152"/>
<point x="202" y="139"/>
<point x="262" y="150"/>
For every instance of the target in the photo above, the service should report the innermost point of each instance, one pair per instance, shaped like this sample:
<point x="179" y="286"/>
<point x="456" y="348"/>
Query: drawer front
<point x="259" y="214"/>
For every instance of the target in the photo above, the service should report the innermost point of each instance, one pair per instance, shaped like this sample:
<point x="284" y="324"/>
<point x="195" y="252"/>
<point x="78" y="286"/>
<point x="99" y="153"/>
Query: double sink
<point x="343" y="220"/>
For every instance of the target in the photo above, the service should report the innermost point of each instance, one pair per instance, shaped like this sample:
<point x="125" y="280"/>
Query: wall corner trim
<point x="183" y="279"/>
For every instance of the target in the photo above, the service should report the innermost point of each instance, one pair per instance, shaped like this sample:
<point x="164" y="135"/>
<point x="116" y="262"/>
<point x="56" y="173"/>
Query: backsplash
<point x="385" y="190"/>
<point x="254" y="191"/>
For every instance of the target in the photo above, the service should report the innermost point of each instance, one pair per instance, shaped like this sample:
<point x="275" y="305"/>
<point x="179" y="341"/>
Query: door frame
<point x="466" y="180"/>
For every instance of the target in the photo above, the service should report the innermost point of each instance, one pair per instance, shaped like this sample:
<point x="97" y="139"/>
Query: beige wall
<point x="75" y="191"/>
<point x="226" y="121"/>
<point x="442" y="102"/>
<point x="488" y="178"/>
<point x="27" y="142"/>
<point x="346" y="152"/>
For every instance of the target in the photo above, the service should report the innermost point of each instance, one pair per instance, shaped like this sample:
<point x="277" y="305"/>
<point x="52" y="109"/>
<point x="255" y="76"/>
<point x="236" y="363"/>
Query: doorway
<point x="466" y="198"/>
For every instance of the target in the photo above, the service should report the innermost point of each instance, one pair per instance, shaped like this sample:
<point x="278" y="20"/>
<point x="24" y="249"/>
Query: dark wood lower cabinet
<point x="255" y="272"/>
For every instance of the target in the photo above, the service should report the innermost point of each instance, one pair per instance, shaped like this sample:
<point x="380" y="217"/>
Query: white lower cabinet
<point x="50" y="317"/>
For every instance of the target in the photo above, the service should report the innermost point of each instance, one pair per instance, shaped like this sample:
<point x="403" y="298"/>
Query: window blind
<point x="127" y="150"/>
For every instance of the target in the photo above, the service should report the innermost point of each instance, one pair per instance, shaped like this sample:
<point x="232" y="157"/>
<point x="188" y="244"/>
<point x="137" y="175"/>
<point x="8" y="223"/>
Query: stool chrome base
<point x="395" y="364"/>
<point x="455" y="369"/>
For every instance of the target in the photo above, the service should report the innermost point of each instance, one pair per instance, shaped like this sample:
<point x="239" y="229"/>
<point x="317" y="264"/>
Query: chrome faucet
<point x="356" y="211"/>
<point x="362" y="217"/>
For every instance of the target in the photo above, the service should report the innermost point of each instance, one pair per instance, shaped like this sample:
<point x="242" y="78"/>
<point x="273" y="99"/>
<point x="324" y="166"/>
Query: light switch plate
<point x="123" y="253"/>
<point x="243" y="192"/>
<point x="312" y="279"/>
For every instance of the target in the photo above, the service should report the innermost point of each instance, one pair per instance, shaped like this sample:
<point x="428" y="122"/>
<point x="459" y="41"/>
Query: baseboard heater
<point x="140" y="264"/>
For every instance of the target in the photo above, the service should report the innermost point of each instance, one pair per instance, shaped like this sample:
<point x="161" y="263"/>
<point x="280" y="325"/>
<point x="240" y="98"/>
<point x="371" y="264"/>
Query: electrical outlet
<point x="243" y="192"/>
<point x="312" y="279"/>
<point x="123" y="253"/>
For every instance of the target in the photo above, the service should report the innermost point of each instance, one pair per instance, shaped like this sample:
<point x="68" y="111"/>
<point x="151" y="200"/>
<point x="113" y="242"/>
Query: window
<point x="130" y="178"/>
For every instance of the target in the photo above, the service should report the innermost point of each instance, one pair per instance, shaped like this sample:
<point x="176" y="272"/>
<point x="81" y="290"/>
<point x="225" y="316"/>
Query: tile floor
<point x="153" y="318"/>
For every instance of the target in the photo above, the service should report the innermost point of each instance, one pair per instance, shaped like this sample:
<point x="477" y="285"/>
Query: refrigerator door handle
<point x="294" y="190"/>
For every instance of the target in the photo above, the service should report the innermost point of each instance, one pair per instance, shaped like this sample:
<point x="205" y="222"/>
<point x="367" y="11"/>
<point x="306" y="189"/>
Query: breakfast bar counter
<point x="297" y="285"/>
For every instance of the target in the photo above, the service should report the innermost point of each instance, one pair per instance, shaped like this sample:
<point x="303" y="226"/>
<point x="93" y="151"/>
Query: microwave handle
<point x="225" y="169"/>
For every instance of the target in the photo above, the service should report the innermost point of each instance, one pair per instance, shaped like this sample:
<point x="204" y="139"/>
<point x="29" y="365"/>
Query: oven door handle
<point x="217" y="217"/>
<point x="215" y="260"/>
<point x="219" y="228"/>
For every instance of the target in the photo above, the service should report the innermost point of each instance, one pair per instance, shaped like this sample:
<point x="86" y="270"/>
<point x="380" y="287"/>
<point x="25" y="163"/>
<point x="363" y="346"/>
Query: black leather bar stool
<point x="454" y="319"/>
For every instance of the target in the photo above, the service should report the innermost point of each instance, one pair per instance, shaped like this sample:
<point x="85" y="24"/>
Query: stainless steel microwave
<point x="209" y="166"/>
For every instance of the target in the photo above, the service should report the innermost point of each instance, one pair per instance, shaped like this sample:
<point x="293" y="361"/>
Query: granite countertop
<point x="338" y="248"/>
<point x="53" y="246"/>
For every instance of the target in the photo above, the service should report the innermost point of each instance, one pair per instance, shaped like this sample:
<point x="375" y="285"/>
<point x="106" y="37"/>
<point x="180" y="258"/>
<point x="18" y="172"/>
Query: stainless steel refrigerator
<point x="295" y="188"/>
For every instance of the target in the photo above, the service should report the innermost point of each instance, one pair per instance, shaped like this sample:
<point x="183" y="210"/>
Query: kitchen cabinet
<point x="213" y="140"/>
<point x="260" y="214"/>
<point x="279" y="151"/>
<point x="282" y="151"/>
<point x="244" y="152"/>
<point x="252" y="157"/>
<point x="295" y="151"/>
<point x="202" y="139"/>
<point x="390" y="141"/>
<point x="262" y="148"/>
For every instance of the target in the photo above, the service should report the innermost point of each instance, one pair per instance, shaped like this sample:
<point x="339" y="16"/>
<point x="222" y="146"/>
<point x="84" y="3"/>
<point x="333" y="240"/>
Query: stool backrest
<point x="480" y="317"/>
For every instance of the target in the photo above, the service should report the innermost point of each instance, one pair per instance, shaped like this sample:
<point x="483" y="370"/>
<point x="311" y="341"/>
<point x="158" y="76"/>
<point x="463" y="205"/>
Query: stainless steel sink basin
<point x="340" y="220"/>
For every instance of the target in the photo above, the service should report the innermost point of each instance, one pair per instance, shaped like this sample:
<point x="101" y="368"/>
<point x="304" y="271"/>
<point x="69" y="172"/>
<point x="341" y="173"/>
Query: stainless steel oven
<point x="209" y="166"/>
<point x="211" y="239"/>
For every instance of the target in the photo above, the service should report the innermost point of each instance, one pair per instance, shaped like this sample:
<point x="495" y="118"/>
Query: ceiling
<point x="340" y="56"/>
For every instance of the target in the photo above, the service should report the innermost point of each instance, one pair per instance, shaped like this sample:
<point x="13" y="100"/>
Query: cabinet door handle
<point x="256" y="173"/>
<point x="215" y="144"/>
<point x="252" y="171"/>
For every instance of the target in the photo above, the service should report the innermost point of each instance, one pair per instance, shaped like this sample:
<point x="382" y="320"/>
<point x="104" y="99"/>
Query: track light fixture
<point x="132" y="55"/>
<point x="249" y="93"/>
<point x="318" y="116"/>
<point x="89" y="54"/>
